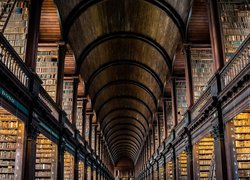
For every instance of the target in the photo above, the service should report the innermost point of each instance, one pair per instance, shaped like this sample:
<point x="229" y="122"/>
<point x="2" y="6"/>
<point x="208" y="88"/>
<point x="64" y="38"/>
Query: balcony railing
<point x="11" y="60"/>
<point x="236" y="64"/>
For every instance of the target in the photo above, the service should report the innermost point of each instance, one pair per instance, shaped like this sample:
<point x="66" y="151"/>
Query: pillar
<point x="33" y="34"/>
<point x="215" y="34"/>
<point x="60" y="73"/>
<point x="188" y="76"/>
<point x="174" y="102"/>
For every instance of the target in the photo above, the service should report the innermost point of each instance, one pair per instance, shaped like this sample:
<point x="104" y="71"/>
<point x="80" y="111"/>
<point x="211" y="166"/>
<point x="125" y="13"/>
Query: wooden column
<point x="174" y="101"/>
<point x="84" y="106"/>
<point x="154" y="144"/>
<point x="76" y="165"/>
<point x="188" y="76"/>
<point x="189" y="151"/>
<point x="74" y="104"/>
<point x="164" y="101"/>
<point x="60" y="157"/>
<point x="90" y="128"/>
<point x="30" y="154"/>
<point x="33" y="33"/>
<point x="158" y="127"/>
<point x="85" y="170"/>
<point x="220" y="153"/>
<point x="215" y="34"/>
<point x="174" y="169"/>
<point x="60" y="74"/>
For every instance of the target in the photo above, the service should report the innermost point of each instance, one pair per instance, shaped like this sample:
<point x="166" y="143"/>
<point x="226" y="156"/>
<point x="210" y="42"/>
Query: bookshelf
<point x="169" y="117"/>
<point x="88" y="172"/>
<point x="161" y="126"/>
<point x="156" y="138"/>
<point x="46" y="68"/>
<point x="68" y="86"/>
<point x="181" y="99"/>
<point x="202" y="69"/>
<point x="182" y="166"/>
<point x="240" y="135"/>
<point x="81" y="170"/>
<point x="11" y="145"/>
<point x="46" y="158"/>
<point x="235" y="24"/>
<point x="169" y="170"/>
<point x="16" y="29"/>
<point x="68" y="166"/>
<point x="87" y="128"/>
<point x="161" y="172"/>
<point x="79" y="118"/>
<point x="204" y="150"/>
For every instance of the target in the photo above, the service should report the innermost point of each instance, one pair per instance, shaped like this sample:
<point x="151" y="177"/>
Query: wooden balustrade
<point x="236" y="64"/>
<point x="11" y="60"/>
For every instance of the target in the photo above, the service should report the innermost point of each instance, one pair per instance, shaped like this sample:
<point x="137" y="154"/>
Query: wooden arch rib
<point x="84" y="5"/>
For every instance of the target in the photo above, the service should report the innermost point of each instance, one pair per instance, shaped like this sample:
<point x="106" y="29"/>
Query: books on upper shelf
<point x="79" y="117"/>
<point x="46" y="68"/>
<point x="11" y="145"/>
<point x="68" y="86"/>
<point x="181" y="99"/>
<point x="235" y="22"/>
<point x="17" y="27"/>
<point x="46" y="158"/>
<point x="202" y="69"/>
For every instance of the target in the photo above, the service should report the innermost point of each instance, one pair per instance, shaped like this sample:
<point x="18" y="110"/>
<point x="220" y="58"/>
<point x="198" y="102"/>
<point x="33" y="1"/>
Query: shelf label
<point x="13" y="101"/>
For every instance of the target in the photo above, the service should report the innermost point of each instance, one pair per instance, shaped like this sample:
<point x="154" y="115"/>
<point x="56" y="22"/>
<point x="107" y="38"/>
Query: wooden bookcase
<point x="81" y="170"/>
<point x="239" y="129"/>
<point x="202" y="69"/>
<point x="16" y="29"/>
<point x="182" y="166"/>
<point x="47" y="67"/>
<point x="234" y="16"/>
<point x="68" y="88"/>
<point x="11" y="146"/>
<point x="205" y="159"/>
<point x="169" y="170"/>
<point x="79" y="118"/>
<point x="46" y="158"/>
<point x="169" y="117"/>
<point x="68" y="166"/>
<point x="181" y="99"/>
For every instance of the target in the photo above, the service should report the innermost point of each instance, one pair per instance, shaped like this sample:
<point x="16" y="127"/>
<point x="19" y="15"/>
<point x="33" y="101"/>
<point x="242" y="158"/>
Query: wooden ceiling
<point x="125" y="51"/>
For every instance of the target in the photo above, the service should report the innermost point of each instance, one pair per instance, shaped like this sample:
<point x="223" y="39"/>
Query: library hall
<point x="124" y="89"/>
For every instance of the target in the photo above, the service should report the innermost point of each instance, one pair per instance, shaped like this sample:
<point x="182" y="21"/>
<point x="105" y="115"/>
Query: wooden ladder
<point x="5" y="13"/>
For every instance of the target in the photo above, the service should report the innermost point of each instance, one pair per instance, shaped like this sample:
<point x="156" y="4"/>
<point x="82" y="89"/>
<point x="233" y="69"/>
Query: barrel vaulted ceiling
<point x="124" y="51"/>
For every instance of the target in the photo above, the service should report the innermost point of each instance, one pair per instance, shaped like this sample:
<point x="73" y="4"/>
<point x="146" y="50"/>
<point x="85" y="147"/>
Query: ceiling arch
<point x="124" y="54"/>
<point x="120" y="120"/>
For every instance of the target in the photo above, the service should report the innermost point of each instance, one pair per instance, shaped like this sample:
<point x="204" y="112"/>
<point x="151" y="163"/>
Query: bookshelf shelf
<point x="67" y="105"/>
<point x="235" y="24"/>
<point x="202" y="69"/>
<point x="68" y="166"/>
<point x="182" y="165"/>
<point x="17" y="26"/>
<point x="46" y="158"/>
<point x="46" y="68"/>
<point x="11" y="145"/>
<point x="204" y="151"/>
